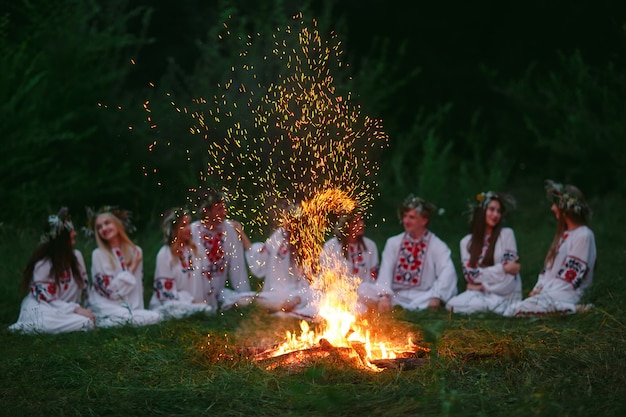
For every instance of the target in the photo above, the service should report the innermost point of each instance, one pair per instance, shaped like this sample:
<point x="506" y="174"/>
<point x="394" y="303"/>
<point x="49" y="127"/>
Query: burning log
<point x="354" y="356"/>
<point x="305" y="357"/>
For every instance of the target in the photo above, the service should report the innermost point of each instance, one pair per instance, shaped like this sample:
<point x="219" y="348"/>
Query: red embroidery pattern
<point x="283" y="250"/>
<point x="186" y="262"/>
<point x="409" y="267"/>
<point x="165" y="289"/>
<point x="101" y="284"/>
<point x="573" y="271"/>
<point x="357" y="259"/>
<point x="120" y="257"/>
<point x="213" y="242"/>
<point x="48" y="291"/>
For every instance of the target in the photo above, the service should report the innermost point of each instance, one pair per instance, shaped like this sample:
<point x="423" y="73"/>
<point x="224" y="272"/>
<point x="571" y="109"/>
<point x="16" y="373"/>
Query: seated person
<point x="569" y="264"/>
<point x="357" y="254"/>
<point x="489" y="259"/>
<point x="56" y="281"/>
<point x="278" y="261"/>
<point x="177" y="275"/>
<point x="416" y="271"/>
<point x="222" y="259"/>
<point x="117" y="273"/>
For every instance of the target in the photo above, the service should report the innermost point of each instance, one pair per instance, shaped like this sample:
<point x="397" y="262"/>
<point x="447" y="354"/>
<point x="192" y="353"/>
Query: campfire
<point x="341" y="331"/>
<point x="302" y="350"/>
<point x="340" y="334"/>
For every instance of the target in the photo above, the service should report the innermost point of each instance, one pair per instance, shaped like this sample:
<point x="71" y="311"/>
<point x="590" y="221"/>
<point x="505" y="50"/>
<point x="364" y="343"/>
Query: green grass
<point x="484" y="364"/>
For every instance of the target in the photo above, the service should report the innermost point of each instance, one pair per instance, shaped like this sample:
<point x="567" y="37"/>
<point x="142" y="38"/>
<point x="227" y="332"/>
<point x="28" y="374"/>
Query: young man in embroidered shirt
<point x="416" y="271"/>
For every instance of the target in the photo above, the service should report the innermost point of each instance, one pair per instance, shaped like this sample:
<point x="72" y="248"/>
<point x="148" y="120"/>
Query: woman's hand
<point x="512" y="267"/>
<point x="384" y="304"/>
<point x="84" y="312"/>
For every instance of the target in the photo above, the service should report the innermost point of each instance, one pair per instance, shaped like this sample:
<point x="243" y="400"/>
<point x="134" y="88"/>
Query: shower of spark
<point x="292" y="137"/>
<point x="310" y="223"/>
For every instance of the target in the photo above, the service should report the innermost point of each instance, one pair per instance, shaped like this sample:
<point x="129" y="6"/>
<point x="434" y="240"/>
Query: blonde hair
<point x="127" y="247"/>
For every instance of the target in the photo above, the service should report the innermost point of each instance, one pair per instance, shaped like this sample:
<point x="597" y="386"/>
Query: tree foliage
<point x="83" y="126"/>
<point x="60" y="61"/>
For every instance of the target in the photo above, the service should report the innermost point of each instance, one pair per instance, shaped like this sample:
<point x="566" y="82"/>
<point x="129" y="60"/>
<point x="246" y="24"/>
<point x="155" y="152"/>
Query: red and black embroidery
<point x="165" y="289"/>
<point x="357" y="260"/>
<point x="120" y="257"/>
<point x="573" y="271"/>
<point x="213" y="243"/>
<point x="101" y="284"/>
<point x="48" y="291"/>
<point x="283" y="250"/>
<point x="410" y="264"/>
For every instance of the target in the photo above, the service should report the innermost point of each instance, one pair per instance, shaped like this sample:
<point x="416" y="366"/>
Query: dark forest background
<point x="473" y="95"/>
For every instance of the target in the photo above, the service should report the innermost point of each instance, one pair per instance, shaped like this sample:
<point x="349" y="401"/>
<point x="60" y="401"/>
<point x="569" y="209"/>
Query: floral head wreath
<point x="418" y="204"/>
<point x="170" y="218"/>
<point x="347" y="218"/>
<point x="124" y="216"/>
<point x="56" y="224"/>
<point x="483" y="199"/>
<point x="208" y="197"/>
<point x="565" y="200"/>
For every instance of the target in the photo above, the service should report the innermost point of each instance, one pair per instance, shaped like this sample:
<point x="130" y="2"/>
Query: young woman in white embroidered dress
<point x="353" y="252"/>
<point x="177" y="274"/>
<point x="489" y="259"/>
<point x="570" y="262"/>
<point x="416" y="270"/>
<point x="56" y="280"/>
<point x="277" y="260"/>
<point x="117" y="273"/>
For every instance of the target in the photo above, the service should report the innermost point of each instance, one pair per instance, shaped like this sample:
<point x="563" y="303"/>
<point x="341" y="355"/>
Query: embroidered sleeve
<point x="165" y="289"/>
<point x="573" y="271"/>
<point x="470" y="273"/>
<point x="44" y="291"/>
<point x="101" y="280"/>
<point x="509" y="255"/>
<point x="374" y="265"/>
<point x="43" y="287"/>
<point x="101" y="283"/>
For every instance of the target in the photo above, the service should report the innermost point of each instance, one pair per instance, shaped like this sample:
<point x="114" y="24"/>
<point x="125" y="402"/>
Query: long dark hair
<point x="57" y="247"/>
<point x="578" y="212"/>
<point x="479" y="223"/>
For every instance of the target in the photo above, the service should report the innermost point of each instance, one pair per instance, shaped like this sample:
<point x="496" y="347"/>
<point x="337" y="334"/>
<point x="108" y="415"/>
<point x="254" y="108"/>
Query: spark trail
<point x="290" y="137"/>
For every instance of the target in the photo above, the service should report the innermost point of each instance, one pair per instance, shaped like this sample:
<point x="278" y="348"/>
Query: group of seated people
<point x="200" y="257"/>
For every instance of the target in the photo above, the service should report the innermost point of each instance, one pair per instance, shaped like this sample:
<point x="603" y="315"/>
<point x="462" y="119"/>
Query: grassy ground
<point x="483" y="365"/>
